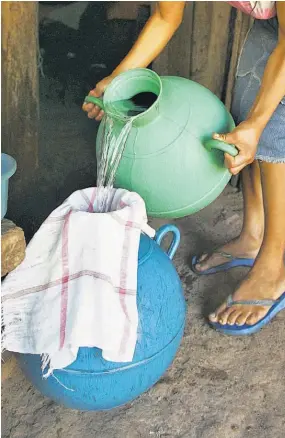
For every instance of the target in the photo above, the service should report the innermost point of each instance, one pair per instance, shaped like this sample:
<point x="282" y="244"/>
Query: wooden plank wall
<point x="20" y="105"/>
<point x="20" y="97"/>
<point x="206" y="47"/>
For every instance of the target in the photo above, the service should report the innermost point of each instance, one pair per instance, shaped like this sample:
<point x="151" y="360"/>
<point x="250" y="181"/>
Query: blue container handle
<point x="176" y="238"/>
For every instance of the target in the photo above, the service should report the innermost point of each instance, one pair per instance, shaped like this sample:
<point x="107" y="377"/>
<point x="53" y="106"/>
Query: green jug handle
<point x="95" y="100"/>
<point x="176" y="238"/>
<point x="225" y="147"/>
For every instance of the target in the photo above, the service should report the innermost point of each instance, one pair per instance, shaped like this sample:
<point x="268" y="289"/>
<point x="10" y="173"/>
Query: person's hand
<point x="93" y="111"/>
<point x="245" y="138"/>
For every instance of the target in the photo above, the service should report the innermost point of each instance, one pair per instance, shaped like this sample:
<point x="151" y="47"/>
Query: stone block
<point x="13" y="246"/>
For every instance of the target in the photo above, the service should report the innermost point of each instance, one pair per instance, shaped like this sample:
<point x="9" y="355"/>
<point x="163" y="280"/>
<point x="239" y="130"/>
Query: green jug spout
<point x="119" y="98"/>
<point x="95" y="100"/>
<point x="220" y="145"/>
<point x="122" y="107"/>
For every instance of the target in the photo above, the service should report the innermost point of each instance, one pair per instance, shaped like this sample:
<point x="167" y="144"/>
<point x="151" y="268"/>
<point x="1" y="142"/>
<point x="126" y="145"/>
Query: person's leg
<point x="266" y="280"/>
<point x="248" y="243"/>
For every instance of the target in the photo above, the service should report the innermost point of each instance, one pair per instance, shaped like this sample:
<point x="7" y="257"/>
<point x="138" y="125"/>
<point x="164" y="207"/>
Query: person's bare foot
<point x="243" y="246"/>
<point x="262" y="283"/>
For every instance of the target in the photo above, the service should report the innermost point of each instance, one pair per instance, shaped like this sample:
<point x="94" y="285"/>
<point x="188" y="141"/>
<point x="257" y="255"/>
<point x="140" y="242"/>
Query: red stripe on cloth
<point x="122" y="204"/>
<point x="64" y="280"/>
<point x="85" y="197"/>
<point x="124" y="282"/>
<point x="45" y="287"/>
<point x="52" y="219"/>
<point x="91" y="205"/>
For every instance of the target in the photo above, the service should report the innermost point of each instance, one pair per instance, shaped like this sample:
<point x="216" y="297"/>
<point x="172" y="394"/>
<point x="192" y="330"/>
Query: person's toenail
<point x="251" y="320"/>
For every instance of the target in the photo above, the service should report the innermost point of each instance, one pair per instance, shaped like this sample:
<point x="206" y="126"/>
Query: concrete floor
<point x="218" y="387"/>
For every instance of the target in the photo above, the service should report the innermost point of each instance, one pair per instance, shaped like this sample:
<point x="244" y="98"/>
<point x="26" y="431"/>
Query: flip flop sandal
<point x="242" y="330"/>
<point x="234" y="262"/>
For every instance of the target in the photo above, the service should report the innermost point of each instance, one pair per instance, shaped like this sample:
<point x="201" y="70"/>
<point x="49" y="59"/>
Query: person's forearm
<point x="272" y="88"/>
<point x="152" y="40"/>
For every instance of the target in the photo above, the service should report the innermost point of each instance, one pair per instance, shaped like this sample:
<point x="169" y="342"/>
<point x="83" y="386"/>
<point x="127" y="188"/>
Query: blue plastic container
<point x="98" y="384"/>
<point x="8" y="168"/>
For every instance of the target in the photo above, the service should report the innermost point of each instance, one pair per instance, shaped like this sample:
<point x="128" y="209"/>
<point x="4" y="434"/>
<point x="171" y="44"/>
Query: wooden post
<point x="242" y="25"/>
<point x="20" y="98"/>
<point x="210" y="43"/>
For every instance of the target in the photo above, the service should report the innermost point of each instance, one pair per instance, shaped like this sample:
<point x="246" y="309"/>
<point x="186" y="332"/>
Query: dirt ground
<point x="217" y="387"/>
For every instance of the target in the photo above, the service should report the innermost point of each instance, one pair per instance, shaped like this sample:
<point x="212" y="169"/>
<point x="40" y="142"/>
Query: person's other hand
<point x="93" y="111"/>
<point x="245" y="138"/>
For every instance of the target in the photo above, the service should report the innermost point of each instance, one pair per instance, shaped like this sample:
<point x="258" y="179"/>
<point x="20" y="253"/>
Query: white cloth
<point x="77" y="285"/>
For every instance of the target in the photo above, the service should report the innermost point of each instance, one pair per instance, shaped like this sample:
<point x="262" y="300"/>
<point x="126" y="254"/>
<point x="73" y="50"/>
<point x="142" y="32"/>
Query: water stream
<point x="112" y="142"/>
<point x="109" y="153"/>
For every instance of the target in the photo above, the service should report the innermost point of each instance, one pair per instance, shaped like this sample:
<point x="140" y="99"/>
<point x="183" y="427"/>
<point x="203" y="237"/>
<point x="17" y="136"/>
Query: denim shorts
<point x="260" y="42"/>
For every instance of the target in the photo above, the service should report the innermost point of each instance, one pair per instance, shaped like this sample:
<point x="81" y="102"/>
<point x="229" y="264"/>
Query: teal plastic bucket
<point x="8" y="168"/>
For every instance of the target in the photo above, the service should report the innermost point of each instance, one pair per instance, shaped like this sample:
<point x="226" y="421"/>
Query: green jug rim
<point x="129" y="75"/>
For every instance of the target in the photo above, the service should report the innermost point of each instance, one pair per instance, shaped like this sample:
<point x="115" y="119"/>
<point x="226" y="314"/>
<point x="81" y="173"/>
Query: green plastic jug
<point x="170" y="158"/>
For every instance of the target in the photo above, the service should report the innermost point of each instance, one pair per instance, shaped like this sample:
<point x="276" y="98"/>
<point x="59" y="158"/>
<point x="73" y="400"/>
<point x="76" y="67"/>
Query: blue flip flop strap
<point x="231" y="302"/>
<point x="224" y="254"/>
